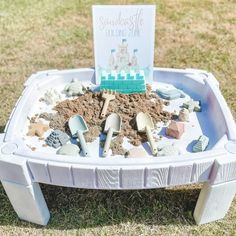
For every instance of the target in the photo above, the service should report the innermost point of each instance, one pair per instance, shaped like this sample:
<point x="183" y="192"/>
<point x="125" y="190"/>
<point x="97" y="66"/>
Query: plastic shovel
<point x="145" y="124"/>
<point x="77" y="127"/>
<point x="113" y="125"/>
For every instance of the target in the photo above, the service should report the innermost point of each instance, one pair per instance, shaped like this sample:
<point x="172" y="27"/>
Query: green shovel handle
<point x="83" y="143"/>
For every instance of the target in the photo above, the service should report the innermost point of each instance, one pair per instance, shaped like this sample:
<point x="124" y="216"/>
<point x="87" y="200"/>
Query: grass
<point x="38" y="35"/>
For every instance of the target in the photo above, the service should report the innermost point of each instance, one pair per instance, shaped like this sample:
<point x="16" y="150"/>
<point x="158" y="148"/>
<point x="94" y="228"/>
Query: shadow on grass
<point x="76" y="208"/>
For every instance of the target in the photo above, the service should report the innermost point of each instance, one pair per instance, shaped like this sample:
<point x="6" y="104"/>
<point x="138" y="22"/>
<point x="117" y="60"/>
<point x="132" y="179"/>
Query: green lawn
<point x="38" y="35"/>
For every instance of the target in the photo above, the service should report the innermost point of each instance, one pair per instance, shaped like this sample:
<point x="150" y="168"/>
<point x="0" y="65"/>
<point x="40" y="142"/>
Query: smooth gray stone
<point x="74" y="88"/>
<point x="169" y="150"/>
<point x="69" y="149"/>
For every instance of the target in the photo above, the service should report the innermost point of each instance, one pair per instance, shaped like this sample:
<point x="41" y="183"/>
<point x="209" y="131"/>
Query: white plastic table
<point x="21" y="169"/>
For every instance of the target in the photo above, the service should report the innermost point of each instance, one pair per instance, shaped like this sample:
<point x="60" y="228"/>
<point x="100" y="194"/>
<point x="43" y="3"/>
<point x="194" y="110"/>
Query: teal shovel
<point x="78" y="127"/>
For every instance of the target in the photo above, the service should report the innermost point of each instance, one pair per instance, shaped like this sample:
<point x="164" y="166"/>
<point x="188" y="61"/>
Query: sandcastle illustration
<point x="123" y="73"/>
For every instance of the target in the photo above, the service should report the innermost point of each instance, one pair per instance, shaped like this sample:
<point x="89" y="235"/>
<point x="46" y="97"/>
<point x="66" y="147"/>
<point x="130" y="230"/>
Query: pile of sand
<point x="90" y="105"/>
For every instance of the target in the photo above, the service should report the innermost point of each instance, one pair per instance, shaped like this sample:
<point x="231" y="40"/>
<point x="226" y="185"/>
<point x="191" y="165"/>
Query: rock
<point x="192" y="105"/>
<point x="184" y="115"/>
<point x="75" y="88"/>
<point x="170" y="94"/>
<point x="136" y="142"/>
<point x="51" y="96"/>
<point x="201" y="144"/>
<point x="136" y="153"/>
<point x="69" y="149"/>
<point x="175" y="129"/>
<point x="168" y="150"/>
<point x="33" y="149"/>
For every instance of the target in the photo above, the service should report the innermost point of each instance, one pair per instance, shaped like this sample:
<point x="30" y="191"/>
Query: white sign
<point x="124" y="38"/>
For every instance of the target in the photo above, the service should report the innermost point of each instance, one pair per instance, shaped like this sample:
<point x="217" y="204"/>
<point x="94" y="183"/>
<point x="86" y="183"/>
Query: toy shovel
<point x="77" y="127"/>
<point x="113" y="125"/>
<point x="145" y="124"/>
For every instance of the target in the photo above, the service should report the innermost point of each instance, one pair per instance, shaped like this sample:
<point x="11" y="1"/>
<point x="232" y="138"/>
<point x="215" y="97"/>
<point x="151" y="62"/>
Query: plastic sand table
<point x="25" y="161"/>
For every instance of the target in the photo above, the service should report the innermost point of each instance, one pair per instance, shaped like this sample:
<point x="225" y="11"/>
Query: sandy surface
<point x="90" y="105"/>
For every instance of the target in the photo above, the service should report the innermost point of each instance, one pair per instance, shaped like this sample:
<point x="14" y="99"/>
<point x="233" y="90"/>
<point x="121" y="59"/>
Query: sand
<point x="90" y="105"/>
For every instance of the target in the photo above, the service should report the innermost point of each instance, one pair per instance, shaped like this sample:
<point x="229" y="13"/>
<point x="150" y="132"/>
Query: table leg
<point x="214" y="201"/>
<point x="28" y="202"/>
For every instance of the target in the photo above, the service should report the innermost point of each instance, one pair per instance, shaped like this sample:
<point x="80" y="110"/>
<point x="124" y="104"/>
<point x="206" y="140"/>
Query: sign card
<point x="124" y="38"/>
